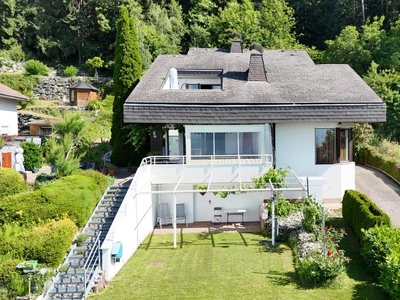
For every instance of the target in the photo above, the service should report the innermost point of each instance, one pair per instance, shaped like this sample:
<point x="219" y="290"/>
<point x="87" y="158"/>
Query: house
<point x="42" y="127"/>
<point x="81" y="93"/>
<point x="8" y="110"/>
<point x="243" y="112"/>
<point x="9" y="122"/>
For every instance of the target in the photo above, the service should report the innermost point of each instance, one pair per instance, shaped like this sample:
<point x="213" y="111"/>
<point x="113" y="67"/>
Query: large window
<point x="332" y="145"/>
<point x="225" y="143"/>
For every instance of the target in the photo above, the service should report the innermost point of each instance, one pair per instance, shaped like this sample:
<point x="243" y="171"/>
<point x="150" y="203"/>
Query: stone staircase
<point x="82" y="267"/>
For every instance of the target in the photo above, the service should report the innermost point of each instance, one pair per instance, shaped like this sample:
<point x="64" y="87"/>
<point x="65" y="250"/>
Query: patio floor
<point x="210" y="227"/>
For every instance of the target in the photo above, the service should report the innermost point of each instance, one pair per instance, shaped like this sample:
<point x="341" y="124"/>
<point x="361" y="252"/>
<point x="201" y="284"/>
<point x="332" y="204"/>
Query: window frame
<point x="336" y="146"/>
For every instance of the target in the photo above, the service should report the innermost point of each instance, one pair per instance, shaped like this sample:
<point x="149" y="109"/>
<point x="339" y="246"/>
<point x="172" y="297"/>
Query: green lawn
<point x="225" y="266"/>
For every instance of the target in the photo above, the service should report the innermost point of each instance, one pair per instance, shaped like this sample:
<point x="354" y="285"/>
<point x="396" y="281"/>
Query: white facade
<point x="8" y="117"/>
<point x="295" y="147"/>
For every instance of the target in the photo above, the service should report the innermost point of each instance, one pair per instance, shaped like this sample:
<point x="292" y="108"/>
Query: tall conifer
<point x="127" y="71"/>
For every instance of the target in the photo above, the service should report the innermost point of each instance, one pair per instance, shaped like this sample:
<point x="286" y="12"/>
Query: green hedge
<point x="370" y="157"/>
<point x="11" y="183"/>
<point x="381" y="252"/>
<point x="360" y="212"/>
<point x="73" y="196"/>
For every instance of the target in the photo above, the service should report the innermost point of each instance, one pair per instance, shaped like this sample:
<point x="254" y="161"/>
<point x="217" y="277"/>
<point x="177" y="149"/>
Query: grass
<point x="226" y="266"/>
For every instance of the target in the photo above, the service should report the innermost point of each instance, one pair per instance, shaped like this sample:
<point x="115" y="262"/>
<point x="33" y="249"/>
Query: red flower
<point x="329" y="253"/>
<point x="320" y="229"/>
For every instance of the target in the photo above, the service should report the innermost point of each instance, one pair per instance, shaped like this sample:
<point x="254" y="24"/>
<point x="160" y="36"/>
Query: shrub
<point x="14" y="53"/>
<point x="101" y="180"/>
<point x="283" y="207"/>
<point x="35" y="67"/>
<point x="48" y="243"/>
<point x="8" y="269"/>
<point x="312" y="212"/>
<point x="71" y="71"/>
<point x="360" y="212"/>
<point x="377" y="243"/>
<point x="20" y="82"/>
<point x="390" y="274"/>
<point x="93" y="105"/>
<point x="81" y="238"/>
<point x="32" y="155"/>
<point x="11" y="182"/>
<point x="74" y="195"/>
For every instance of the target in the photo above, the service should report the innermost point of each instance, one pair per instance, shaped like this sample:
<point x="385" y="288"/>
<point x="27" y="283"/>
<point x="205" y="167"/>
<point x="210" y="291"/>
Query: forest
<point x="362" y="33"/>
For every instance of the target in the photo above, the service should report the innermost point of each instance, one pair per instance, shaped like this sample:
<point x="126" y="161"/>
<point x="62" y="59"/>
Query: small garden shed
<point x="81" y="93"/>
<point x="42" y="127"/>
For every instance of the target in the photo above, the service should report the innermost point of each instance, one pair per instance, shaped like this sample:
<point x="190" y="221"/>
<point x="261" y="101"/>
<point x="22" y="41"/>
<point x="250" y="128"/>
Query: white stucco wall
<point x="132" y="224"/>
<point x="295" y="147"/>
<point x="8" y="117"/>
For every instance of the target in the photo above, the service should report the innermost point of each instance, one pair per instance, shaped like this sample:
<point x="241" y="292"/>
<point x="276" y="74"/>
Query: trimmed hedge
<point x="360" y="212"/>
<point x="11" y="183"/>
<point x="74" y="196"/>
<point x="370" y="157"/>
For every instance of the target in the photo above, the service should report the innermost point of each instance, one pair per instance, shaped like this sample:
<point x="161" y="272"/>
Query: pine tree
<point x="127" y="71"/>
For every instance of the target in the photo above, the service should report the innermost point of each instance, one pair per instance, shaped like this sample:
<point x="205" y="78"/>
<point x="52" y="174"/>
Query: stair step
<point x="70" y="280"/>
<point x="104" y="214"/>
<point x="67" y="290"/>
<point x="105" y="221"/>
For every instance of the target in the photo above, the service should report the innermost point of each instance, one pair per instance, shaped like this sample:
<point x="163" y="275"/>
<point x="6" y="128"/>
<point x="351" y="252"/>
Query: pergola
<point x="293" y="183"/>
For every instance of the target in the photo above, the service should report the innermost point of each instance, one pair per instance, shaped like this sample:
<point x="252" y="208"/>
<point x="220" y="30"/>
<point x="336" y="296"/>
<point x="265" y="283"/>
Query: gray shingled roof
<point x="9" y="93"/>
<point x="296" y="90"/>
<point x="82" y="85"/>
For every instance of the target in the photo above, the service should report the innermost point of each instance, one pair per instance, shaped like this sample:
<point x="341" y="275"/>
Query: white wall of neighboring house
<point x="295" y="147"/>
<point x="8" y="117"/>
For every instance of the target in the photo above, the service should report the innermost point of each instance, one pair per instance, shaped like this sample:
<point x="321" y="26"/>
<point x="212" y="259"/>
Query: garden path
<point x="381" y="189"/>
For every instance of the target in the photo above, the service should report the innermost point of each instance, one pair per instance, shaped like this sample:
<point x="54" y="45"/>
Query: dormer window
<point x="194" y="79"/>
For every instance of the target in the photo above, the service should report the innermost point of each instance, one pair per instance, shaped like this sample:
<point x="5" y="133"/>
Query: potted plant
<point x="111" y="169"/>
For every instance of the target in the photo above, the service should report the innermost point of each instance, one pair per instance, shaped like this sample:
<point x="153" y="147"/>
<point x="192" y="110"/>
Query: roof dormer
<point x="194" y="79"/>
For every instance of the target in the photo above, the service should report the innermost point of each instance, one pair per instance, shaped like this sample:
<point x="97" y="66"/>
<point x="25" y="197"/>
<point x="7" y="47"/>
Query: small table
<point x="235" y="212"/>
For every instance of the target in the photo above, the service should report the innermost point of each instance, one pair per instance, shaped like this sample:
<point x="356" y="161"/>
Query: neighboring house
<point x="81" y="93"/>
<point x="8" y="110"/>
<point x="42" y="127"/>
<point x="9" y="122"/>
<point x="242" y="113"/>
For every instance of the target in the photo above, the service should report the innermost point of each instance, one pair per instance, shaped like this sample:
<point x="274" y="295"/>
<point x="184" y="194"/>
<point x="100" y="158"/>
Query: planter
<point x="103" y="171"/>
<point x="111" y="172"/>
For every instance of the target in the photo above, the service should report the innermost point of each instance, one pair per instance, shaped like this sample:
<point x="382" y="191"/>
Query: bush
<point x="93" y="105"/>
<point x="32" y="155"/>
<point x="35" y="67"/>
<point x="283" y="207"/>
<point x="390" y="274"/>
<point x="48" y="243"/>
<point x="11" y="182"/>
<point x="377" y="243"/>
<point x="312" y="212"/>
<point x="74" y="195"/>
<point x="8" y="269"/>
<point x="360" y="212"/>
<point x="101" y="180"/>
<point x="71" y="71"/>
<point x="14" y="53"/>
<point x="20" y="82"/>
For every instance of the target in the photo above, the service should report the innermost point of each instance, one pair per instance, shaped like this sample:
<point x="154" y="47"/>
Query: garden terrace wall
<point x="360" y="212"/>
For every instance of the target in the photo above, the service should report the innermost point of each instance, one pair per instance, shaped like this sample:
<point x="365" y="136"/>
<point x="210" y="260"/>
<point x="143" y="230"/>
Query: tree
<point x="62" y="152"/>
<point x="386" y="84"/>
<point x="95" y="63"/>
<point x="127" y="72"/>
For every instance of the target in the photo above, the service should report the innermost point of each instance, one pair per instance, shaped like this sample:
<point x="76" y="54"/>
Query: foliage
<point x="127" y="71"/>
<point x="22" y="83"/>
<point x="32" y="155"/>
<point x="15" y="53"/>
<point x="377" y="243"/>
<point x="312" y="214"/>
<point x="11" y="182"/>
<point x="94" y="63"/>
<point x="101" y="180"/>
<point x="71" y="71"/>
<point x="319" y="268"/>
<point x="35" y="67"/>
<point x="81" y="238"/>
<point x="75" y="195"/>
<point x="62" y="152"/>
<point x="93" y="105"/>
<point x="381" y="248"/>
<point x="385" y="84"/>
<point x="276" y="176"/>
<point x="361" y="213"/>
<point x="283" y="207"/>
<point x="364" y="136"/>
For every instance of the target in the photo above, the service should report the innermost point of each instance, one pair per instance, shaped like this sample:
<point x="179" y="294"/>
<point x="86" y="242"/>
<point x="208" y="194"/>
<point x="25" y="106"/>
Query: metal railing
<point x="240" y="159"/>
<point x="92" y="265"/>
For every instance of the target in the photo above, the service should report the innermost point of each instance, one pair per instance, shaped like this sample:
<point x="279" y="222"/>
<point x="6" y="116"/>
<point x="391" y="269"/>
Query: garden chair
<point x="181" y="213"/>
<point x="163" y="215"/>
<point x="217" y="215"/>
